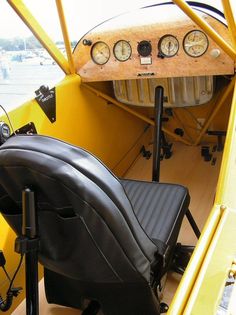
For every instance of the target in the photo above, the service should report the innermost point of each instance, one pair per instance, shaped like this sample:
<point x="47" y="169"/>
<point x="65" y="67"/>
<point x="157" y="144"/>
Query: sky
<point x="81" y="15"/>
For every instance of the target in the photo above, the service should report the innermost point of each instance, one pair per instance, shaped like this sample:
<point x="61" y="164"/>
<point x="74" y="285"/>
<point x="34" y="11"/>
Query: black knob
<point x="160" y="55"/>
<point x="44" y="89"/>
<point x="87" y="42"/>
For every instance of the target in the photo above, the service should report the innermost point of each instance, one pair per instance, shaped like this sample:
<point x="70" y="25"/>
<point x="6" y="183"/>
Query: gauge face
<point x="122" y="50"/>
<point x="168" y="45"/>
<point x="144" y="48"/>
<point x="100" y="53"/>
<point x="195" y="43"/>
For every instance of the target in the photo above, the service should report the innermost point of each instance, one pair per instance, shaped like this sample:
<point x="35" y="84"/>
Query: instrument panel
<point x="162" y="46"/>
<point x="195" y="44"/>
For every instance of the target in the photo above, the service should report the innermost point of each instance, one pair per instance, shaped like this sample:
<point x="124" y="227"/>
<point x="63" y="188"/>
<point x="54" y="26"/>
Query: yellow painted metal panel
<point x="227" y="179"/>
<point x="207" y="291"/>
<point x="85" y="119"/>
<point x="191" y="273"/>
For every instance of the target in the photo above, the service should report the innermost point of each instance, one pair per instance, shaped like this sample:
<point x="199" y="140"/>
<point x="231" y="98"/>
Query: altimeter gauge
<point x="195" y="43"/>
<point x="168" y="45"/>
<point x="122" y="50"/>
<point x="100" y="53"/>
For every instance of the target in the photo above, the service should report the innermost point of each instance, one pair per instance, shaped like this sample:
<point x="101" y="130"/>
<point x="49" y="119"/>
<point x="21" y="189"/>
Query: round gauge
<point x="122" y="50"/>
<point x="195" y="43"/>
<point x="100" y="53"/>
<point x="144" y="48"/>
<point x="168" y="45"/>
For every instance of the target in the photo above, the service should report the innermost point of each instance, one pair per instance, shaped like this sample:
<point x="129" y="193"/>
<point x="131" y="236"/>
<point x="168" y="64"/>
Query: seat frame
<point x="28" y="244"/>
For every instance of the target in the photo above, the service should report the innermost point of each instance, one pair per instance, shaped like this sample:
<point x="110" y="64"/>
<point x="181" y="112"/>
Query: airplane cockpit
<point x="117" y="182"/>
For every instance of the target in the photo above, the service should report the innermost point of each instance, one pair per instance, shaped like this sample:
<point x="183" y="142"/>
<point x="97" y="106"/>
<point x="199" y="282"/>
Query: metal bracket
<point x="47" y="101"/>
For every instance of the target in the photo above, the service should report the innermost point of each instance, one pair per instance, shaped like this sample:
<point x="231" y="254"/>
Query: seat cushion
<point x="159" y="208"/>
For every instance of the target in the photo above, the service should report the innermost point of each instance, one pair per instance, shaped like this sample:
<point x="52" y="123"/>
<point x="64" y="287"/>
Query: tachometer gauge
<point x="122" y="50"/>
<point x="100" y="53"/>
<point x="195" y="43"/>
<point x="168" y="46"/>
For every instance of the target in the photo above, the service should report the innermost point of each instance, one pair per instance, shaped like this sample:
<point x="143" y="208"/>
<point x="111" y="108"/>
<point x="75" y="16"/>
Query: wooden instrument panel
<point x="151" y="26"/>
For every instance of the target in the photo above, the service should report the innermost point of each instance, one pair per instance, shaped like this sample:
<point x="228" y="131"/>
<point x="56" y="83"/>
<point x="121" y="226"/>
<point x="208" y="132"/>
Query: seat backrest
<point x="87" y="228"/>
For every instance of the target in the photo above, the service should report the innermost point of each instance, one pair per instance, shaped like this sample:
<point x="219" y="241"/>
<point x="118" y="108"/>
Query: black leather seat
<point x="101" y="238"/>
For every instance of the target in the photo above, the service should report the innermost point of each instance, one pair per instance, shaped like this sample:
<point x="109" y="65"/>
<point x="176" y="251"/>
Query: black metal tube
<point x="31" y="257"/>
<point x="159" y="97"/>
<point x="29" y="214"/>
<point x="31" y="281"/>
<point x="193" y="224"/>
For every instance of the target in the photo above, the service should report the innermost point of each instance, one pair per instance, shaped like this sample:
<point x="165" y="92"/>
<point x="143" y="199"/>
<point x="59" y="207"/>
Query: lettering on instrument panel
<point x="145" y="74"/>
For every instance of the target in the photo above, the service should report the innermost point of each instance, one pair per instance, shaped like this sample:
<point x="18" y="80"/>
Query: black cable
<point x="11" y="292"/>
<point x="17" y="269"/>
<point x="6" y="273"/>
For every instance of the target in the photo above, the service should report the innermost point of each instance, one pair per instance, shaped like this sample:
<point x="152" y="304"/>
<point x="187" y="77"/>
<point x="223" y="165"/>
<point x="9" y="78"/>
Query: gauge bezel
<point x="207" y="40"/>
<point x="92" y="56"/>
<point x="149" y="45"/>
<point x="160" y="42"/>
<point x="115" y="54"/>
